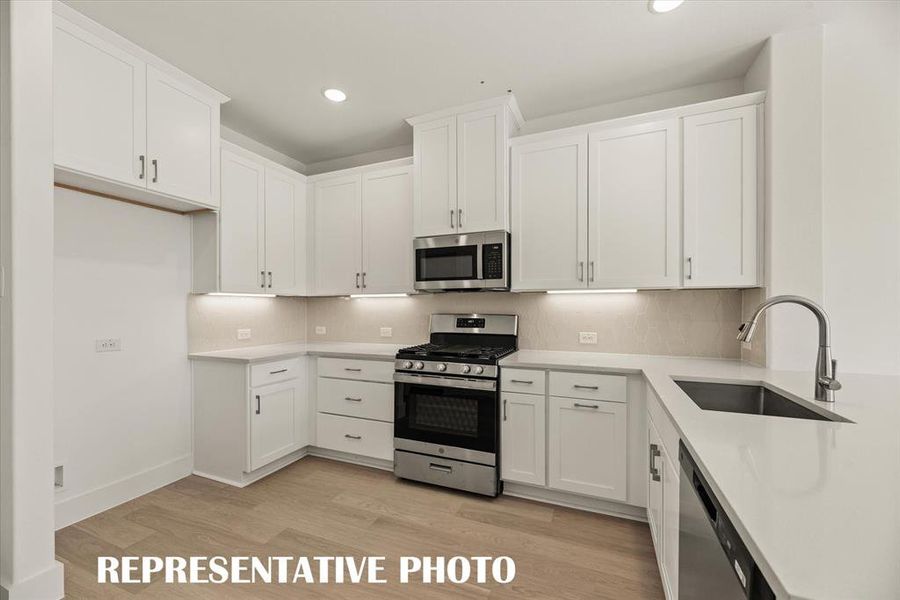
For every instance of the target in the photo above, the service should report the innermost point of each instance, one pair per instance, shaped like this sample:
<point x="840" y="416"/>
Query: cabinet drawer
<point x="364" y="399"/>
<point x="350" y="368"/>
<point x="591" y="386"/>
<point x="272" y="372"/>
<point x="356" y="436"/>
<point x="522" y="380"/>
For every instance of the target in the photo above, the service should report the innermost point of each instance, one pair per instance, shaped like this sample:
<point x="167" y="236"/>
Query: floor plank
<point x="317" y="507"/>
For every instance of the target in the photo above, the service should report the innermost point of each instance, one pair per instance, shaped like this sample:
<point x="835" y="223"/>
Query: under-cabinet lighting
<point x="354" y="296"/>
<point x="664" y="6"/>
<point x="334" y="94"/>
<point x="242" y="295"/>
<point x="620" y="291"/>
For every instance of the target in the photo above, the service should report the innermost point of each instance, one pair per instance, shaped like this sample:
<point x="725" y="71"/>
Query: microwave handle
<point x="478" y="260"/>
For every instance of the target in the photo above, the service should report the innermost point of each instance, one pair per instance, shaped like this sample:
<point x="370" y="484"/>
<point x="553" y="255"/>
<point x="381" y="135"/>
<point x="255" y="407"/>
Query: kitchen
<point x="608" y="290"/>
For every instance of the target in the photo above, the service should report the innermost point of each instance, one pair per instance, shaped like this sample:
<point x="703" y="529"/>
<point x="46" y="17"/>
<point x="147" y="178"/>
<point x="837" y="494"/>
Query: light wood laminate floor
<point x="317" y="507"/>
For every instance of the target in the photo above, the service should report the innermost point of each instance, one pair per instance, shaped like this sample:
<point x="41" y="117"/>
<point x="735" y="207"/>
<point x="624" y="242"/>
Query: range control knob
<point x="407" y="364"/>
<point x="419" y="365"/>
<point x="479" y="370"/>
<point x="441" y="367"/>
<point x="466" y="368"/>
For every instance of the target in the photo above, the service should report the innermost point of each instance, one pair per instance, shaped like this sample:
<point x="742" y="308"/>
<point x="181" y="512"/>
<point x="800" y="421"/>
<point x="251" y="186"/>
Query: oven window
<point x="446" y="416"/>
<point x="443" y="264"/>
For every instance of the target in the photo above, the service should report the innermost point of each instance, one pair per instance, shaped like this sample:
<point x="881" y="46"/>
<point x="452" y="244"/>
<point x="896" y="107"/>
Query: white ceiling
<point x="399" y="59"/>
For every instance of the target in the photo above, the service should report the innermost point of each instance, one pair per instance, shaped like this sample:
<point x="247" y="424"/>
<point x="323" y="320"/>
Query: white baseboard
<point x="46" y="584"/>
<point x="87" y="504"/>
<point x="355" y="459"/>
<point x="248" y="478"/>
<point x="577" y="501"/>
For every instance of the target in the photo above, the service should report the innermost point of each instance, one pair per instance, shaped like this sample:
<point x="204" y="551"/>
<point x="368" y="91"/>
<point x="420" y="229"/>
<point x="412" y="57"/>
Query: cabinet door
<point x="670" y="472"/>
<point x="271" y="423"/>
<point x="242" y="225"/>
<point x="720" y="199"/>
<point x="99" y="106"/>
<point x="634" y="222"/>
<point x="387" y="255"/>
<point x="182" y="139"/>
<point x="284" y="199"/>
<point x="337" y="230"/>
<point x="587" y="447"/>
<point x="434" y="197"/>
<point x="481" y="163"/>
<point x="549" y="214"/>
<point x="522" y="447"/>
<point x="654" y="488"/>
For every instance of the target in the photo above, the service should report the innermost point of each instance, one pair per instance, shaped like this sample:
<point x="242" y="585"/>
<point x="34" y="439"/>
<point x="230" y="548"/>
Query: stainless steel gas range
<point x="447" y="402"/>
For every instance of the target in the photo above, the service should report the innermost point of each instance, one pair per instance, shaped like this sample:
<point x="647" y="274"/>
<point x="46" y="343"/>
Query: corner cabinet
<point x="462" y="168"/>
<point x="126" y="123"/>
<point x="256" y="243"/>
<point x="362" y="229"/>
<point x="663" y="200"/>
<point x="663" y="482"/>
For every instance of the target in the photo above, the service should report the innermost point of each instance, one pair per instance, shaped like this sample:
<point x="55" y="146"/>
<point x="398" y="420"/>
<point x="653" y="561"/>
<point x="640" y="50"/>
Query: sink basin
<point x="747" y="399"/>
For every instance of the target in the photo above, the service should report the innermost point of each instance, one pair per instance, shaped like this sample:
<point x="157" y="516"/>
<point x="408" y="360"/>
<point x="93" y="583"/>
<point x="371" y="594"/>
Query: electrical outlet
<point x="108" y="345"/>
<point x="587" y="337"/>
<point x="387" y="332"/>
<point x="320" y="330"/>
<point x="243" y="334"/>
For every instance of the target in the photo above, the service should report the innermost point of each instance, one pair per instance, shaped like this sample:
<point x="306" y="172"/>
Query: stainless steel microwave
<point x="470" y="261"/>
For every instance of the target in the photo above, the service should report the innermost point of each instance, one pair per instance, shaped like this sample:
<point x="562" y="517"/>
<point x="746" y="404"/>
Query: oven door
<point x="445" y="416"/>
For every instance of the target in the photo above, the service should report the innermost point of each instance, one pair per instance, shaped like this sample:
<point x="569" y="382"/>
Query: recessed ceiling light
<point x="334" y="94"/>
<point x="664" y="6"/>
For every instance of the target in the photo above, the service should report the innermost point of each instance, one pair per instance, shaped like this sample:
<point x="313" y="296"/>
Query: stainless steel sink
<point x="747" y="399"/>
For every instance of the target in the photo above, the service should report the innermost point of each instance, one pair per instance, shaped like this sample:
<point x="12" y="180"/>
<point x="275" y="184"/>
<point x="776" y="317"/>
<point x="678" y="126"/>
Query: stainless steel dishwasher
<point x="713" y="562"/>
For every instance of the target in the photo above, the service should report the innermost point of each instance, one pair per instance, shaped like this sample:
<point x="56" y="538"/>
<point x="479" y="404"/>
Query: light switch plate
<point x="387" y="332"/>
<point x="320" y="330"/>
<point x="243" y="334"/>
<point x="108" y="345"/>
<point x="587" y="337"/>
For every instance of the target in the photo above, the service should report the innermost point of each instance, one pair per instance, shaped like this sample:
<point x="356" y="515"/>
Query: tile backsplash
<point x="673" y="322"/>
<point x="213" y="321"/>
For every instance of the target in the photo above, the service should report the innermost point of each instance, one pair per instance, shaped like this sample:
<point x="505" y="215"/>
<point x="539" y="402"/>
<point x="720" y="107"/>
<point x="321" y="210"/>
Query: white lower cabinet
<point x="355" y="407"/>
<point x="271" y="423"/>
<point x="522" y="444"/>
<point x="248" y="416"/>
<point x="662" y="494"/>
<point x="587" y="447"/>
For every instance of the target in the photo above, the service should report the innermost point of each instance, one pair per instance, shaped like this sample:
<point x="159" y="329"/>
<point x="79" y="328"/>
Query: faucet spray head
<point x="746" y="330"/>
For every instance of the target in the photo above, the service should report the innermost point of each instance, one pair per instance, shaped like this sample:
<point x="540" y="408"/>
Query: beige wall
<point x="213" y="321"/>
<point x="683" y="323"/>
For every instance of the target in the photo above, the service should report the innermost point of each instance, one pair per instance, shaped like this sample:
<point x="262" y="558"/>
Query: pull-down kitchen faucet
<point x="826" y="367"/>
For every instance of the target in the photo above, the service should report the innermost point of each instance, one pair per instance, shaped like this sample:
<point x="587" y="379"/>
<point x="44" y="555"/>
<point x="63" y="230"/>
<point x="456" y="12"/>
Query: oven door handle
<point x="452" y="382"/>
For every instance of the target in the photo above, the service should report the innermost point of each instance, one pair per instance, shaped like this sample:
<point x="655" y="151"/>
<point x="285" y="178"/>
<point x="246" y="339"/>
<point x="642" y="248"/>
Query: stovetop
<point x="456" y="352"/>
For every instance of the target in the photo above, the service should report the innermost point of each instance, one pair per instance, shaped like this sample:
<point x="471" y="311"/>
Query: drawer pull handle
<point x="441" y="468"/>
<point x="585" y="387"/>
<point x="523" y="381"/>
<point x="278" y="371"/>
<point x="352" y="437"/>
<point x="258" y="407"/>
<point x="352" y="370"/>
<point x="352" y="399"/>
<point x="594" y="406"/>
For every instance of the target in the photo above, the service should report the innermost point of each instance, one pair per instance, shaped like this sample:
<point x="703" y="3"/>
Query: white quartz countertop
<point x="253" y="354"/>
<point x="816" y="502"/>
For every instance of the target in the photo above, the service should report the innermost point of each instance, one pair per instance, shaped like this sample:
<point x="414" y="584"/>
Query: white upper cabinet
<point x="241" y="224"/>
<point x="481" y="170"/>
<point x="633" y="206"/>
<point x="434" y="149"/>
<point x="720" y="199"/>
<point x="182" y="139"/>
<point x="99" y="106"/>
<point x="128" y="124"/>
<point x="387" y="254"/>
<point x="285" y="221"/>
<point x="461" y="167"/>
<point x="549" y="213"/>
<point x="337" y="228"/>
<point x="363" y="230"/>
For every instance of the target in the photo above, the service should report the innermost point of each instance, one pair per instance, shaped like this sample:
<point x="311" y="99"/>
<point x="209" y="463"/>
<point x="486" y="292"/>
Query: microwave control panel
<point x="492" y="261"/>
